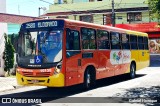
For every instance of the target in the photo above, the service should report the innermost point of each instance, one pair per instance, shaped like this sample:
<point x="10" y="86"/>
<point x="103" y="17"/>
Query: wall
<point x="13" y="28"/>
<point x="3" y="29"/>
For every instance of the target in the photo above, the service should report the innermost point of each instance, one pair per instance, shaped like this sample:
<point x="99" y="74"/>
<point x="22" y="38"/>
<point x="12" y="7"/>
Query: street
<point x="110" y="90"/>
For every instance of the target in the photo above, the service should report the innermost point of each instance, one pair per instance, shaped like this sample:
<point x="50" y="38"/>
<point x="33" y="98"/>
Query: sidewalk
<point x="8" y="83"/>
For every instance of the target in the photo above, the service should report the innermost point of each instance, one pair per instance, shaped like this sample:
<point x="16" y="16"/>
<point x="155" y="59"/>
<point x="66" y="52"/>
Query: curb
<point x="18" y="86"/>
<point x="12" y="87"/>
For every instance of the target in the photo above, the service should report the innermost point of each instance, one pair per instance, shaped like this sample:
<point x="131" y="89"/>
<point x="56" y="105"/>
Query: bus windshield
<point x="46" y="44"/>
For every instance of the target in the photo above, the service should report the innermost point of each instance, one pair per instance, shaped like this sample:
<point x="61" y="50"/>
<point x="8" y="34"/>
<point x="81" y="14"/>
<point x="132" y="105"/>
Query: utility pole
<point x="113" y="14"/>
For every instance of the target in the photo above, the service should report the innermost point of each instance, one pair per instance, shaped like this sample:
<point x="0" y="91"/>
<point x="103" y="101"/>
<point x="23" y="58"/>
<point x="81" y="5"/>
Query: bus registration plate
<point x="34" y="81"/>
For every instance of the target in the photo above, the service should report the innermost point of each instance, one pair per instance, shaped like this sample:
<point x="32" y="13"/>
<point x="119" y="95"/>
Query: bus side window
<point x="140" y="43"/>
<point x="115" y="40"/>
<point x="146" y="43"/>
<point x="72" y="42"/>
<point x="125" y="41"/>
<point x="133" y="42"/>
<point x="103" y="39"/>
<point x="88" y="38"/>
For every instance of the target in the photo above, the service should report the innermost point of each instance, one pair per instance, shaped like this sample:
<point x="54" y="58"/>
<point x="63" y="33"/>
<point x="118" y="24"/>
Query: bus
<point x="63" y="52"/>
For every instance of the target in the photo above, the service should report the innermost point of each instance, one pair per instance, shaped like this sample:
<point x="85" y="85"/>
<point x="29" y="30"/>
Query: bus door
<point x="73" y="56"/>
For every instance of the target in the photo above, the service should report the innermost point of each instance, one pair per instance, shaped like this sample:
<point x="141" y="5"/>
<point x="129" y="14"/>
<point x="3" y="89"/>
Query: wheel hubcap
<point x="132" y="72"/>
<point x="88" y="79"/>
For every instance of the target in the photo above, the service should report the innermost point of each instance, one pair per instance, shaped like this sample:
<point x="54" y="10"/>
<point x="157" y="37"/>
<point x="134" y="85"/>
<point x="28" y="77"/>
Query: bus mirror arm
<point x="17" y="57"/>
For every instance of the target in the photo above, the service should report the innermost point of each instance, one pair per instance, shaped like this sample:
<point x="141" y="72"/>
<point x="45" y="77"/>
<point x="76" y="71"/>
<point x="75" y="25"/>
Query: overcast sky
<point x="26" y="7"/>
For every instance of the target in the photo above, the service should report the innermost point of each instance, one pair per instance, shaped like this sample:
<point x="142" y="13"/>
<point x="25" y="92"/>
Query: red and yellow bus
<point x="62" y="52"/>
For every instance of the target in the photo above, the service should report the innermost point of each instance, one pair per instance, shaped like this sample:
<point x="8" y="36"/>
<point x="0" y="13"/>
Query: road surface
<point x="143" y="90"/>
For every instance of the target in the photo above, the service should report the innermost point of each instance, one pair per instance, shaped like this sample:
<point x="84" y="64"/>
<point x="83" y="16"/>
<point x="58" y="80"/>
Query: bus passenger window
<point x="140" y="43"/>
<point x="103" y="39"/>
<point x="146" y="43"/>
<point x="88" y="38"/>
<point x="133" y="42"/>
<point x="125" y="41"/>
<point x="72" y="42"/>
<point x="115" y="40"/>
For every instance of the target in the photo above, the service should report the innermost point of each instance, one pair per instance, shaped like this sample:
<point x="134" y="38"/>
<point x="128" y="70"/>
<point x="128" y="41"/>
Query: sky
<point x="26" y="7"/>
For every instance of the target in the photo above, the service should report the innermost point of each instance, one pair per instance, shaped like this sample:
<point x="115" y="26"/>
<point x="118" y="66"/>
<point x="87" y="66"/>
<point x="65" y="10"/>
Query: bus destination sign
<point x="43" y="24"/>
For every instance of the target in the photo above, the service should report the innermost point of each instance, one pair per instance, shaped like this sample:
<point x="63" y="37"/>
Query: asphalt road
<point x="143" y="90"/>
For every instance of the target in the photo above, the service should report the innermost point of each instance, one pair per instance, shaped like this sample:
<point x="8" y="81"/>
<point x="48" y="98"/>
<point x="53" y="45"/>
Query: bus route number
<point x="30" y="25"/>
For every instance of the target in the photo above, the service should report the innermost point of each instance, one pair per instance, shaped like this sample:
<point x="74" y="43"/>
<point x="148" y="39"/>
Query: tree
<point x="154" y="7"/>
<point x="8" y="54"/>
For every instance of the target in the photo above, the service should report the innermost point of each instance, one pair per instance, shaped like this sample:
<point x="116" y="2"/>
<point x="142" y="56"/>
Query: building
<point x="99" y="11"/>
<point x="129" y="14"/>
<point x="10" y="23"/>
<point x="3" y="29"/>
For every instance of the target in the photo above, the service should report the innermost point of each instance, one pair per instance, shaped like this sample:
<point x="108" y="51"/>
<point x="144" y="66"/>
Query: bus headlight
<point x="57" y="70"/>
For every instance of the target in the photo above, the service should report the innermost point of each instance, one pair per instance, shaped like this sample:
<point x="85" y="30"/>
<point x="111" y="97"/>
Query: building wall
<point x="121" y="18"/>
<point x="3" y="29"/>
<point x="13" y="28"/>
<point x="98" y="19"/>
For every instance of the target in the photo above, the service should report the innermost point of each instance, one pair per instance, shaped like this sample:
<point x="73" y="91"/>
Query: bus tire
<point x="89" y="79"/>
<point x="132" y="71"/>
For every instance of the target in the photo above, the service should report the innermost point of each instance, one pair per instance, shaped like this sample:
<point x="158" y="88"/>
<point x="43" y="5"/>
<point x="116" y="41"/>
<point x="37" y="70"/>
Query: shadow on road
<point x="148" y="96"/>
<point x="52" y="94"/>
<point x="154" y="60"/>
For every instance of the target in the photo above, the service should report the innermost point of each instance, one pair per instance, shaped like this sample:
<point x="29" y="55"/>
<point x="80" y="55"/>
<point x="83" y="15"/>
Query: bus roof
<point x="93" y="25"/>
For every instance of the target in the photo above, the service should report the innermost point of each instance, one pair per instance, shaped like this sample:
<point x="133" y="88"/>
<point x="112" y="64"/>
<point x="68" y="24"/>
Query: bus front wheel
<point x="132" y="71"/>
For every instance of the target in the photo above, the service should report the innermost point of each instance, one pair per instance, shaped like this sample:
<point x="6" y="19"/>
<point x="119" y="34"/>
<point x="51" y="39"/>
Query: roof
<point x="99" y="5"/>
<point x="12" y="18"/>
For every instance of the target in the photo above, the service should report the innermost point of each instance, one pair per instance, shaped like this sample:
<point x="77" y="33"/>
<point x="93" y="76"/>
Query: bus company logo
<point x="6" y="100"/>
<point x="117" y="56"/>
<point x="120" y="57"/>
<point x="126" y="56"/>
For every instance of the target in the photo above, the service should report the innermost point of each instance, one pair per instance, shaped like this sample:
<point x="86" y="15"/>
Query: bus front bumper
<point x="51" y="81"/>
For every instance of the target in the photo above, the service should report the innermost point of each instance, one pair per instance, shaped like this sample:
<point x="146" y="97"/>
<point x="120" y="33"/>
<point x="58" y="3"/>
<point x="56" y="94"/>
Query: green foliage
<point x="154" y="6"/>
<point x="14" y="39"/>
<point x="8" y="54"/>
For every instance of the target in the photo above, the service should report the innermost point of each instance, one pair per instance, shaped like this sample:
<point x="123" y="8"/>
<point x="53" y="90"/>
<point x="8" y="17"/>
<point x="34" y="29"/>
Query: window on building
<point x="62" y="17"/>
<point x="134" y="16"/>
<point x="119" y="17"/>
<point x="107" y="19"/>
<point x="86" y="18"/>
<point x="88" y="38"/>
<point x="91" y="0"/>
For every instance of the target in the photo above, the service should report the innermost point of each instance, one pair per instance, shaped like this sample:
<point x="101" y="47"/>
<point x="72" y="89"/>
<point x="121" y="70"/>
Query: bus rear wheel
<point x="132" y="71"/>
<point x="89" y="79"/>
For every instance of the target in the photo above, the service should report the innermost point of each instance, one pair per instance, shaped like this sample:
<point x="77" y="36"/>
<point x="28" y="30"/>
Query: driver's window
<point x="30" y="42"/>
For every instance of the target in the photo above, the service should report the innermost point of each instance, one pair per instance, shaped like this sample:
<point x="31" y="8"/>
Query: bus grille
<point x="36" y="74"/>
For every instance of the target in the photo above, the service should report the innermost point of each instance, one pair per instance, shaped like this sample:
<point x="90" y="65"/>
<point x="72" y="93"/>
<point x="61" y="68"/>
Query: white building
<point x="3" y="29"/>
